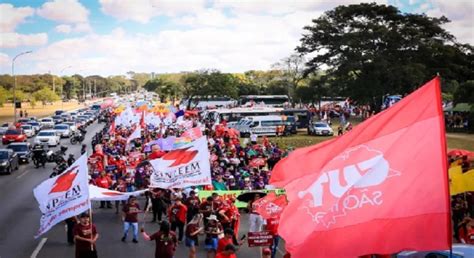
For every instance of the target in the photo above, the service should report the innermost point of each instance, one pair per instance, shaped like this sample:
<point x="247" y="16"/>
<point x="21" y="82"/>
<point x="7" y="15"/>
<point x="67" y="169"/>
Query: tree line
<point x="360" y="51"/>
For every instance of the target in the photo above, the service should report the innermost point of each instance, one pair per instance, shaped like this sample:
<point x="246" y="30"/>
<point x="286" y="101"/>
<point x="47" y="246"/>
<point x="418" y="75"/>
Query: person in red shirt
<point x="229" y="252"/>
<point x="193" y="203"/>
<point x="104" y="181"/>
<point x="228" y="239"/>
<point x="272" y="227"/>
<point x="165" y="241"/>
<point x="206" y="208"/>
<point x="156" y="152"/>
<point x="177" y="215"/>
<point x="192" y="230"/>
<point x="85" y="236"/>
<point x="130" y="218"/>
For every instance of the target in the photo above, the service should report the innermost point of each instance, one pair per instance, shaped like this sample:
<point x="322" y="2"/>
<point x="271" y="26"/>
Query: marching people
<point x="158" y="204"/>
<point x="85" y="237"/>
<point x="70" y="224"/>
<point x="256" y="221"/>
<point x="193" y="228"/>
<point x="165" y="240"/>
<point x="130" y="218"/>
<point x="213" y="229"/>
<point x="104" y="181"/>
<point x="177" y="216"/>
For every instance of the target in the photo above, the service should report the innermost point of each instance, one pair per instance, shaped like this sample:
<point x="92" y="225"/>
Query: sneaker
<point x="123" y="239"/>
<point x="135" y="241"/>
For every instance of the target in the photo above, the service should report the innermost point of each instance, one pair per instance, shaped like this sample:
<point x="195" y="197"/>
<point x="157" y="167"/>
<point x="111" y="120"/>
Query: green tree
<point x="45" y="95"/>
<point x="4" y="95"/>
<point x="19" y="95"/>
<point x="370" y="50"/>
<point x="293" y="71"/>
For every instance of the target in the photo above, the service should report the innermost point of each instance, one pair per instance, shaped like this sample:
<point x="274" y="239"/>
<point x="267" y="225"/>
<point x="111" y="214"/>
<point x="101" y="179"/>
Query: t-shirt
<point x="165" y="245"/>
<point x="222" y="255"/>
<point x="219" y="186"/>
<point x="272" y="225"/>
<point x="253" y="137"/>
<point x="223" y="242"/>
<point x="131" y="212"/>
<point x="192" y="203"/>
<point x="206" y="207"/>
<point x="85" y="232"/>
<point x="191" y="228"/>
<point x="178" y="212"/>
<point x="213" y="228"/>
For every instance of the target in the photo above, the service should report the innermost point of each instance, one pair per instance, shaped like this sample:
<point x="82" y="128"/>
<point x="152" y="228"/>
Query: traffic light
<point x="18" y="104"/>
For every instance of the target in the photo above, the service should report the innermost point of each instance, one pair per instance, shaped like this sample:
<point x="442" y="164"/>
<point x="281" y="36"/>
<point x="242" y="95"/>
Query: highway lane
<point x="19" y="220"/>
<point x="19" y="216"/>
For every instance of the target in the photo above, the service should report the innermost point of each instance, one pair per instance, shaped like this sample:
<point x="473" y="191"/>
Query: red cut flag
<point x="193" y="133"/>
<point x="142" y="120"/>
<point x="271" y="206"/>
<point x="380" y="188"/>
<point x="112" y="128"/>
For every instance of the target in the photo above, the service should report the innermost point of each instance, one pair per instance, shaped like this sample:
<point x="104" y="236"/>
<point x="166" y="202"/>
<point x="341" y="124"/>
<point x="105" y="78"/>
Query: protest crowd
<point x="121" y="161"/>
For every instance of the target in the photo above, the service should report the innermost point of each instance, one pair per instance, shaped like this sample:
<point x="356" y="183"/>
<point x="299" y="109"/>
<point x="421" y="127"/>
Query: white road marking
<point x="38" y="248"/>
<point x="22" y="174"/>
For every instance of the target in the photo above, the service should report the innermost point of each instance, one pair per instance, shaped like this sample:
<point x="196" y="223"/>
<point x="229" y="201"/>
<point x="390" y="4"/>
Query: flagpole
<point x="445" y="147"/>
<point x="90" y="222"/>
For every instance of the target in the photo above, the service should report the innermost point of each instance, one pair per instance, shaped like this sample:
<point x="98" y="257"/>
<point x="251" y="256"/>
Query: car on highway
<point x="66" y="117"/>
<point x="320" y="128"/>
<point x="57" y="119"/>
<point x="87" y="119"/>
<point x="4" y="128"/>
<point x="47" y="136"/>
<point x="13" y="135"/>
<point x="73" y="114"/>
<point x="28" y="130"/>
<point x="22" y="149"/>
<point x="58" y="112"/>
<point x="72" y="126"/>
<point x="47" y="122"/>
<point x="36" y="126"/>
<point x="8" y="161"/>
<point x="80" y="122"/>
<point x="63" y="130"/>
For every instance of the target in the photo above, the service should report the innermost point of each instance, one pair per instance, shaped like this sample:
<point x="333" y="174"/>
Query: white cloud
<point x="11" y="16"/>
<point x="460" y="13"/>
<point x="143" y="11"/>
<point x="66" y="11"/>
<point x="64" y="28"/>
<point x="13" y="40"/>
<point x="208" y="17"/>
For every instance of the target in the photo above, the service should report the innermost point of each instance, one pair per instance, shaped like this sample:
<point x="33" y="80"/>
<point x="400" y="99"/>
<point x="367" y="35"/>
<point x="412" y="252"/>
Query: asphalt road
<point x="19" y="221"/>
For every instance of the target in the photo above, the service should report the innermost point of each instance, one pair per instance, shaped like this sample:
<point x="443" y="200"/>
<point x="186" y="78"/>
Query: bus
<point x="302" y="116"/>
<point x="233" y="115"/>
<point x="265" y="100"/>
<point x="201" y="102"/>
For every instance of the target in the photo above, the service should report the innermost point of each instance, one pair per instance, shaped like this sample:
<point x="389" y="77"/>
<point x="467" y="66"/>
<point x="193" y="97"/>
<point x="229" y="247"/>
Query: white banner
<point x="102" y="194"/>
<point x="136" y="134"/>
<point x="183" y="167"/>
<point x="152" y="119"/>
<point x="63" y="196"/>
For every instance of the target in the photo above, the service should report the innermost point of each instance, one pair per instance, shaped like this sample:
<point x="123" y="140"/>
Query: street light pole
<point x="62" y="86"/>
<point x="14" y="84"/>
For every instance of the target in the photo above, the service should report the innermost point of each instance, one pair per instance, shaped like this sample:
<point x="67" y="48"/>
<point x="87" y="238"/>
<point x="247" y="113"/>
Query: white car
<point x="4" y="128"/>
<point x="47" y="136"/>
<point x="47" y="122"/>
<point x="320" y="128"/>
<point x="72" y="126"/>
<point x="63" y="130"/>
<point x="36" y="126"/>
<point x="28" y="130"/>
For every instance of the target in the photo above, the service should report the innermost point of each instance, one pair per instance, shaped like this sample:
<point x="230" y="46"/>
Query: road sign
<point x="263" y="238"/>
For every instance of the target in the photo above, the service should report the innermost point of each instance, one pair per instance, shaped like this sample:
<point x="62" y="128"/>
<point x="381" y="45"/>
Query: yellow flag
<point x="460" y="182"/>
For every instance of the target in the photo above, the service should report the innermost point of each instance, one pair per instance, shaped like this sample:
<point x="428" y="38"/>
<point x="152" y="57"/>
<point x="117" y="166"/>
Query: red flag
<point x="380" y="188"/>
<point x="193" y="133"/>
<point x="142" y="120"/>
<point x="112" y="128"/>
<point x="271" y="206"/>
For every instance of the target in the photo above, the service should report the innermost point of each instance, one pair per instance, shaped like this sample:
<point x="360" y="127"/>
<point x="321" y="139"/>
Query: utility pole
<point x="95" y="88"/>
<point x="14" y="85"/>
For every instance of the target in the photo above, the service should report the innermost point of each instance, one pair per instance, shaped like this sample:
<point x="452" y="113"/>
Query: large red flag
<point x="271" y="206"/>
<point x="380" y="188"/>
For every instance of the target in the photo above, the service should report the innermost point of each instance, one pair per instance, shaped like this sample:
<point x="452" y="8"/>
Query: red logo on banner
<point x="64" y="181"/>
<point x="180" y="156"/>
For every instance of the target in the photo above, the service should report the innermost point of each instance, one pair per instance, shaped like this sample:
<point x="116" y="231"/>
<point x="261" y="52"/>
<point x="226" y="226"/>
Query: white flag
<point x="103" y="194"/>
<point x="63" y="196"/>
<point x="183" y="167"/>
<point x="136" y="134"/>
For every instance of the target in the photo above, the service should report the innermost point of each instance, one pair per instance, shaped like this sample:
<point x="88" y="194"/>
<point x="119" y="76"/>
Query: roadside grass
<point x="6" y="112"/>
<point x="302" y="139"/>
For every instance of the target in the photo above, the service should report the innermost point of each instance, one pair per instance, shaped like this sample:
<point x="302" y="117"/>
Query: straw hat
<point x="212" y="217"/>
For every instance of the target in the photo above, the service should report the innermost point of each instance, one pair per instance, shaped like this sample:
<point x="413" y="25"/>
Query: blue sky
<point x="115" y="36"/>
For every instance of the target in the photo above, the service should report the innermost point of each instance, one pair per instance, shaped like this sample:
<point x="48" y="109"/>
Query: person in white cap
<point x="213" y="229"/>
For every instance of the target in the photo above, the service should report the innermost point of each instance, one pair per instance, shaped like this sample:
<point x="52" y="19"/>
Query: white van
<point x="259" y="125"/>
